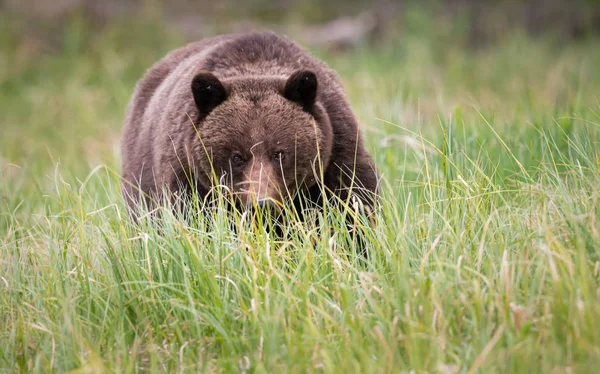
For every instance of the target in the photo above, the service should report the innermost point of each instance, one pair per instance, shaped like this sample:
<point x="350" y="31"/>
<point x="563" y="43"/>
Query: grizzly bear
<point x="253" y="112"/>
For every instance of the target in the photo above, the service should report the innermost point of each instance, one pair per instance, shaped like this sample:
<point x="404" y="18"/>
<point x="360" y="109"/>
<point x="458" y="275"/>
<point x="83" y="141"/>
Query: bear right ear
<point x="301" y="87"/>
<point x="208" y="92"/>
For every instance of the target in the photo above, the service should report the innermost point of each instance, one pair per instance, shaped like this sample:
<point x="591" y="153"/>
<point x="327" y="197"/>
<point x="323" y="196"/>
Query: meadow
<point x="485" y="258"/>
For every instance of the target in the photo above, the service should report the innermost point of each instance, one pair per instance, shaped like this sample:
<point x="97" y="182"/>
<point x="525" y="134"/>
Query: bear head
<point x="265" y="138"/>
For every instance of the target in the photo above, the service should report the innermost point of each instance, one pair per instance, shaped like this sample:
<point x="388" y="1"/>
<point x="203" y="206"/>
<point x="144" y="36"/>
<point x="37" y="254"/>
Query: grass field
<point x="486" y="257"/>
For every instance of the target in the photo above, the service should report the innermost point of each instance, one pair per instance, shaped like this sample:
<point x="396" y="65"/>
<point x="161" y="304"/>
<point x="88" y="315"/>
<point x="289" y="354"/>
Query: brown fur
<point x="251" y="95"/>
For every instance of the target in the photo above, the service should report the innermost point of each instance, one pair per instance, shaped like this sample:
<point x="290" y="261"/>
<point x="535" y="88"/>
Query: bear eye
<point x="237" y="159"/>
<point x="278" y="156"/>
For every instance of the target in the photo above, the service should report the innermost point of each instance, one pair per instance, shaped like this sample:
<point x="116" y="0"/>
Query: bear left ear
<point x="301" y="87"/>
<point x="208" y="92"/>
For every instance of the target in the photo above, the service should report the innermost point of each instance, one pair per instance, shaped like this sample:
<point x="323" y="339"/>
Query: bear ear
<point x="301" y="87"/>
<point x="208" y="92"/>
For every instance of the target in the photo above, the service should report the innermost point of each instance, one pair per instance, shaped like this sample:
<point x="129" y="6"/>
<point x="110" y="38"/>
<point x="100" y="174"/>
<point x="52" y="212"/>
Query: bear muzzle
<point x="260" y="189"/>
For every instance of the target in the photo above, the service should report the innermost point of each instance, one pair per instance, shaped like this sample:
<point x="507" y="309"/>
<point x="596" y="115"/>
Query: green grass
<point x="486" y="256"/>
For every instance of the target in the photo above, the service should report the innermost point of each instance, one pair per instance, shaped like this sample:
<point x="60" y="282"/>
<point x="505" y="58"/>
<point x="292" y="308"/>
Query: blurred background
<point x="337" y="23"/>
<point x="68" y="67"/>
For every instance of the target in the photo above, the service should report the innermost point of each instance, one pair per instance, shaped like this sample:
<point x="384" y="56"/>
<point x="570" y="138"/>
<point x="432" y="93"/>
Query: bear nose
<point x="263" y="204"/>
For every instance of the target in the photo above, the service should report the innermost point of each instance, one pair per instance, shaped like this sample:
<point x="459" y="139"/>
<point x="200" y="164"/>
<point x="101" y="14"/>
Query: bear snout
<point x="260" y="186"/>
